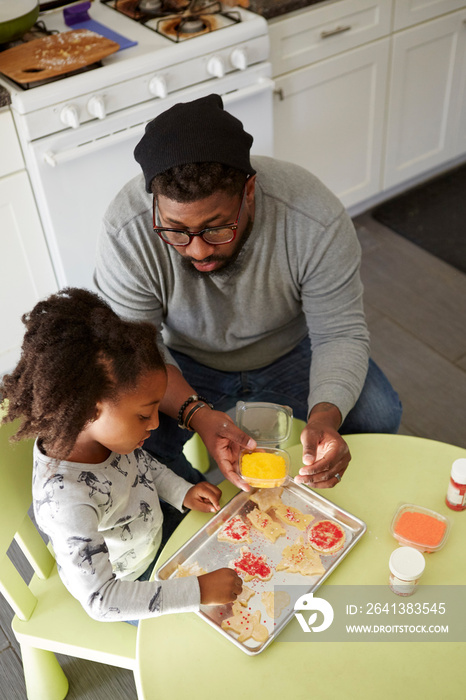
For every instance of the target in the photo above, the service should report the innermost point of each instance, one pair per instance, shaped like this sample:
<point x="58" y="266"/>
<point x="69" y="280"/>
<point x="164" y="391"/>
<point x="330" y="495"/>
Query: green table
<point x="182" y="657"/>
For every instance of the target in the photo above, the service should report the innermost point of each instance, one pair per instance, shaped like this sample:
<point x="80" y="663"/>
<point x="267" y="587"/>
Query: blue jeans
<point x="286" y="381"/>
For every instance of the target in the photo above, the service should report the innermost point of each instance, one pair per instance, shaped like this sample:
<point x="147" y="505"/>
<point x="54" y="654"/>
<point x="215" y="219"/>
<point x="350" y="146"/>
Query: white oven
<point x="78" y="134"/>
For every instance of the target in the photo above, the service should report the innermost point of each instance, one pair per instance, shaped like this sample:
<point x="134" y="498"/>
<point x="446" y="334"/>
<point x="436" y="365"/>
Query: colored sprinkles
<point x="420" y="528"/>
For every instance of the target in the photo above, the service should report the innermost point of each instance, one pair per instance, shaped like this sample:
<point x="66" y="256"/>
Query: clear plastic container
<point x="419" y="527"/>
<point x="270" y="425"/>
<point x="265" y="467"/>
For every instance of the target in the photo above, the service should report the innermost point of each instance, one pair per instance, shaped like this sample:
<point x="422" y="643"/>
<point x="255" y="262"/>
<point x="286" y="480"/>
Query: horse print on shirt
<point x="123" y="523"/>
<point x="115" y="463"/>
<point x="146" y="511"/>
<point x="144" y="462"/>
<point x="99" y="487"/>
<point x="122" y="563"/>
<point x="86" y="550"/>
<point x="155" y="602"/>
<point x="49" y="499"/>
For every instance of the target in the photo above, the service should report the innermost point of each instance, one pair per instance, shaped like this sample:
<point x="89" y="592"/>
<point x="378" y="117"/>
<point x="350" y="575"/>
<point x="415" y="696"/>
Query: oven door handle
<point x="262" y="85"/>
<point x="57" y="158"/>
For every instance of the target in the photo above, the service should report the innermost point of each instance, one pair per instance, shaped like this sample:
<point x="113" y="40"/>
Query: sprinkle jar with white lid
<point x="406" y="568"/>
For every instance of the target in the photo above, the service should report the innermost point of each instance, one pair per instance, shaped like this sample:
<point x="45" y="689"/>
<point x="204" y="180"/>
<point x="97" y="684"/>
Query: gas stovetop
<point x="178" y="20"/>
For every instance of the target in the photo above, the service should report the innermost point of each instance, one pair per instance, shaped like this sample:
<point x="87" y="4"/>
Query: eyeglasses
<point x="217" y="235"/>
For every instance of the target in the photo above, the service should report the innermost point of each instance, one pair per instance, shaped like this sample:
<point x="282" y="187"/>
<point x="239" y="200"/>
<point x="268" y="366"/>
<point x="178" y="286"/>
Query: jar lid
<point x="458" y="470"/>
<point x="407" y="563"/>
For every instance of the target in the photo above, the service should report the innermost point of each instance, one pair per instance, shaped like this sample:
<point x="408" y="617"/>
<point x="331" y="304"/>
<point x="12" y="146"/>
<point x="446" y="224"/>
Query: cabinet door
<point x="329" y="118"/>
<point x="27" y="273"/>
<point x="423" y="94"/>
<point x="409" y="12"/>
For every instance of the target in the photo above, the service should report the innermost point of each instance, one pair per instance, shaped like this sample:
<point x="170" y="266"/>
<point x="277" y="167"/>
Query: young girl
<point x="88" y="386"/>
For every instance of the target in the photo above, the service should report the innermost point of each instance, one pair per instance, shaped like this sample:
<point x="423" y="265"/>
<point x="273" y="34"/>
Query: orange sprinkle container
<point x="419" y="527"/>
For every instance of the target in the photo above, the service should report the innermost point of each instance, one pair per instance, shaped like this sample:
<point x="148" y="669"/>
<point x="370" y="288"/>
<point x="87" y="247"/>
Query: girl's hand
<point x="204" y="497"/>
<point x="220" y="587"/>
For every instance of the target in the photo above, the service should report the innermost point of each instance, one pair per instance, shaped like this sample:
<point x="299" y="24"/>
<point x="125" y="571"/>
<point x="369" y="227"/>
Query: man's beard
<point x="231" y="265"/>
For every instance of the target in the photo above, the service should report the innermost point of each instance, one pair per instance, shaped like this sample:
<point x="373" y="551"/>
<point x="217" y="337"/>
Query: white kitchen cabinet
<point x="330" y="120"/>
<point x="371" y="96"/>
<point x="426" y="104"/>
<point x="330" y="68"/>
<point x="27" y="273"/>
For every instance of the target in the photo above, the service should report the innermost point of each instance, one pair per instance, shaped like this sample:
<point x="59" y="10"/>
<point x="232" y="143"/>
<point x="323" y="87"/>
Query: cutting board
<point x="55" y="55"/>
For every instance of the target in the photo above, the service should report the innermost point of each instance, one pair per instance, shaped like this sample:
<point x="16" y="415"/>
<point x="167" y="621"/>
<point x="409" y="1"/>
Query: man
<point x="251" y="271"/>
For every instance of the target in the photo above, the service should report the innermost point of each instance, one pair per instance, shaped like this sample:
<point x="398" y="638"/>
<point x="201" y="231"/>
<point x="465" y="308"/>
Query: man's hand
<point x="325" y="454"/>
<point x="223" y="440"/>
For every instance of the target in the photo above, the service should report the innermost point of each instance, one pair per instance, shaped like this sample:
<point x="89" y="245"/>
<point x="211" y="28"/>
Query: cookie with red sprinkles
<point x="326" y="537"/>
<point x="234" y="530"/>
<point x="250" y="566"/>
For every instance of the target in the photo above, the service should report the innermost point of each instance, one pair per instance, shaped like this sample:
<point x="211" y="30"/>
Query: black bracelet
<point x="191" y="413"/>
<point x="191" y="399"/>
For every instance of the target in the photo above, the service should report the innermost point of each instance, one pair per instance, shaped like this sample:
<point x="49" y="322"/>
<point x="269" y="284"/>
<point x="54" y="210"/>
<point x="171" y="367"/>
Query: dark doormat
<point x="433" y="216"/>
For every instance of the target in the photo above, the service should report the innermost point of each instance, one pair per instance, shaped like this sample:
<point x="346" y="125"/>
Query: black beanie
<point x="193" y="132"/>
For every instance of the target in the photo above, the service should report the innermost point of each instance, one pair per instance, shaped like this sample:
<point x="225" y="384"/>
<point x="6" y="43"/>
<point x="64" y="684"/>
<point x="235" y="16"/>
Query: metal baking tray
<point x="206" y="551"/>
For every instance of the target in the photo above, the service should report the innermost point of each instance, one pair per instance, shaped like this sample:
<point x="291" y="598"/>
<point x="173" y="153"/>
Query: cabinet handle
<point x="337" y="30"/>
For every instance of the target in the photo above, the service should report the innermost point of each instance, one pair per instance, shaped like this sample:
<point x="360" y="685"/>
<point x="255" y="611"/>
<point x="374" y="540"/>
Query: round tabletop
<point x="180" y="656"/>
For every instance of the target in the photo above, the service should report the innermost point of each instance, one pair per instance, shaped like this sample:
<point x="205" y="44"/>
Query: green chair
<point x="47" y="618"/>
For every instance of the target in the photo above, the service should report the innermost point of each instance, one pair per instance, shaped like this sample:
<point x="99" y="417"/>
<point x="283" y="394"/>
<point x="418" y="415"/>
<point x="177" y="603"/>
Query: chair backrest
<point x="15" y="524"/>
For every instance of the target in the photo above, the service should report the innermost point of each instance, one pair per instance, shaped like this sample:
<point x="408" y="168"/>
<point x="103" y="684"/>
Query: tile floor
<point x="416" y="310"/>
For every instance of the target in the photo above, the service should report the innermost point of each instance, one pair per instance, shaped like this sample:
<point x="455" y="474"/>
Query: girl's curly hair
<point x="76" y="351"/>
<point x="193" y="181"/>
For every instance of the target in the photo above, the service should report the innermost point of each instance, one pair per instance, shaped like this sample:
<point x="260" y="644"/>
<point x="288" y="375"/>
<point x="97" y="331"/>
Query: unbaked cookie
<point x="245" y="595"/>
<point x="293" y="516"/>
<point x="264" y="523"/>
<point x="267" y="498"/>
<point x="192" y="569"/>
<point x="275" y="602"/>
<point x="245" y="624"/>
<point x="300" y="558"/>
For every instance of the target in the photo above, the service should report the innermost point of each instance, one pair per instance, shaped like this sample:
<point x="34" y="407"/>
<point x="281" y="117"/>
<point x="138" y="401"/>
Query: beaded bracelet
<point x="193" y="397"/>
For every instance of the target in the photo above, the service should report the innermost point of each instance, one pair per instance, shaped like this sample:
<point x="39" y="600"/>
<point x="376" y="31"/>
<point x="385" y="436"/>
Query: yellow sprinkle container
<point x="265" y="467"/>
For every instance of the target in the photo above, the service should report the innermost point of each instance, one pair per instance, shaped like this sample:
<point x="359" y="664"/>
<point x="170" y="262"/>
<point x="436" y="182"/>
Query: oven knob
<point x="69" y="116"/>
<point x="216" y="66"/>
<point x="239" y="59"/>
<point x="96" y="107"/>
<point x="158" y="86"/>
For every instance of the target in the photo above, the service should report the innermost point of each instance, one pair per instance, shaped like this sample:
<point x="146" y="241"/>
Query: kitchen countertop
<point x="275" y="8"/>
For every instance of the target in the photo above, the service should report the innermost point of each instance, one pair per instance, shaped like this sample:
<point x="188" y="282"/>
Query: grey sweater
<point x="297" y="274"/>
<point x="105" y="525"/>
